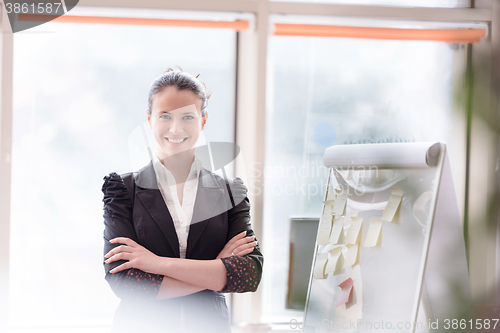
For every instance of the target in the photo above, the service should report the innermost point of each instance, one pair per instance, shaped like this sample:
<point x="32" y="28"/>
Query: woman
<point x="177" y="236"/>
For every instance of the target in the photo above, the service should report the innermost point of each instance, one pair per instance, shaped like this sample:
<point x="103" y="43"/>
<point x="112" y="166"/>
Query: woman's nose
<point x="175" y="126"/>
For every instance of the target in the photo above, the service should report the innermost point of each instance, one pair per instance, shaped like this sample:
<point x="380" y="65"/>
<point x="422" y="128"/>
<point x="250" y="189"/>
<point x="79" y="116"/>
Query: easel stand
<point x="390" y="253"/>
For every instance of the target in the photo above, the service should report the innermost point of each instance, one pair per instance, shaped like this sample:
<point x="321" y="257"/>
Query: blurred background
<point x="288" y="79"/>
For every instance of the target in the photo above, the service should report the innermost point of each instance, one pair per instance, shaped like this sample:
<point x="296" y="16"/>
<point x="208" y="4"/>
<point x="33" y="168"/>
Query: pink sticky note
<point x="346" y="287"/>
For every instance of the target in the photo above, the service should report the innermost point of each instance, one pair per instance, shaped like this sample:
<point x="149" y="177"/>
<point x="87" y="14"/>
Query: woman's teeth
<point x="176" y="140"/>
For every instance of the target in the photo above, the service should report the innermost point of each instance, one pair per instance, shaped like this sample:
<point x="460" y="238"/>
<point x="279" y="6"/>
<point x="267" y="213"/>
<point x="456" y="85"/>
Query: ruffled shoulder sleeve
<point x="238" y="190"/>
<point x="116" y="196"/>
<point x="111" y="182"/>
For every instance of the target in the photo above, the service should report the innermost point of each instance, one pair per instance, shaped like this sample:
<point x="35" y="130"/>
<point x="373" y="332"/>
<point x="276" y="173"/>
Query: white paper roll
<point x="383" y="155"/>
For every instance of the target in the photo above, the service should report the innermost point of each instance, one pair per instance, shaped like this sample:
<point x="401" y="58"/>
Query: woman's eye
<point x="164" y="116"/>
<point x="188" y="117"/>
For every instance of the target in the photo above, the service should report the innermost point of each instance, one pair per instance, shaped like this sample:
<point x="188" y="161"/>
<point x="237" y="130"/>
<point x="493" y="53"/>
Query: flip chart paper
<point x="350" y="255"/>
<point x="325" y="226"/>
<point x="346" y="287"/>
<point x="383" y="155"/>
<point x="421" y="202"/>
<point x="353" y="232"/>
<point x="338" y="225"/>
<point x="392" y="205"/>
<point x="338" y="208"/>
<point x="373" y="233"/>
<point x="319" y="268"/>
<point x="330" y="196"/>
<point x="333" y="258"/>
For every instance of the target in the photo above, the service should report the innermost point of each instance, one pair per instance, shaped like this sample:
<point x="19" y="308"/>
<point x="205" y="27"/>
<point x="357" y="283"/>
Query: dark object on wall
<point x="302" y="242"/>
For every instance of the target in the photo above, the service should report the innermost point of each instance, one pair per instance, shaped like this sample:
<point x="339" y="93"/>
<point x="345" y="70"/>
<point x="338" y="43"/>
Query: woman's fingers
<point x="243" y="241"/>
<point x="237" y="237"/>
<point x="247" y="251"/>
<point x="241" y="244"/>
<point x="118" y="249"/>
<point x="119" y="256"/>
<point x="233" y="246"/>
<point x="123" y="240"/>
<point x="245" y="247"/>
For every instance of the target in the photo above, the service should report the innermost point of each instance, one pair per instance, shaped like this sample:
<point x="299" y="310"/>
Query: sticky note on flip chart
<point x="351" y="255"/>
<point x="338" y="207"/>
<point x="373" y="233"/>
<point x="346" y="292"/>
<point x="338" y="225"/>
<point x="319" y="267"/>
<point x="325" y="226"/>
<point x="333" y="258"/>
<point x="353" y="232"/>
<point x="392" y="205"/>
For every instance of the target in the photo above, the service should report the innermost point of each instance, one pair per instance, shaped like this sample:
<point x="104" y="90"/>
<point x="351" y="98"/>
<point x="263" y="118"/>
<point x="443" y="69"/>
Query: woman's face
<point x="176" y="120"/>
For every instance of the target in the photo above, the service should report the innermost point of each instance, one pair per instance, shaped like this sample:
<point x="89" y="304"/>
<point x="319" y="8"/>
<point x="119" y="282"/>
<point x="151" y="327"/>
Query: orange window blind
<point x="440" y="35"/>
<point x="469" y="35"/>
<point x="237" y="25"/>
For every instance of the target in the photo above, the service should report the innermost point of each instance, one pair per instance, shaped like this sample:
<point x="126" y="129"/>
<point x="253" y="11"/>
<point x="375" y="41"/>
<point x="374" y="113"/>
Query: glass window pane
<point x="79" y="93"/>
<point x="329" y="91"/>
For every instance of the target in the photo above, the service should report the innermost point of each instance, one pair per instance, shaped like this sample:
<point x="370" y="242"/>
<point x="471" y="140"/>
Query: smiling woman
<point x="180" y="127"/>
<point x="178" y="252"/>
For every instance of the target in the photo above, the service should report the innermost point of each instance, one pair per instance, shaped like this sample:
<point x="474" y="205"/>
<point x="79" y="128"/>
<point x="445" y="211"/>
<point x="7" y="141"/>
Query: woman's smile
<point x="176" y="140"/>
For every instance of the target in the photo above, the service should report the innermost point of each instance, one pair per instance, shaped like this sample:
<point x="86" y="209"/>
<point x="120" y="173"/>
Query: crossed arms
<point x="133" y="270"/>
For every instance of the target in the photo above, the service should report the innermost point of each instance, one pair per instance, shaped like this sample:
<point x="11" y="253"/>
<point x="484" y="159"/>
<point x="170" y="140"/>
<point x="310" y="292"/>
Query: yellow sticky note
<point x="333" y="258"/>
<point x="340" y="201"/>
<point x="353" y="232"/>
<point x="392" y="205"/>
<point x="325" y="226"/>
<point x="319" y="267"/>
<point x="338" y="225"/>
<point x="373" y="233"/>
<point x="351" y="255"/>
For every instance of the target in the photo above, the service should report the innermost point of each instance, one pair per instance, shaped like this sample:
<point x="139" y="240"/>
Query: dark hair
<point x="182" y="81"/>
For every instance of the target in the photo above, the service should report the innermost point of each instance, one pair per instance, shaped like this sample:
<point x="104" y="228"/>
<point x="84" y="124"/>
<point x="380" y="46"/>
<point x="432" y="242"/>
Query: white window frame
<point x="251" y="113"/>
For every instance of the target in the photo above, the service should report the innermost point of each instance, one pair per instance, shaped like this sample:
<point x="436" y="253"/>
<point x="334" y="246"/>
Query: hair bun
<point x="171" y="70"/>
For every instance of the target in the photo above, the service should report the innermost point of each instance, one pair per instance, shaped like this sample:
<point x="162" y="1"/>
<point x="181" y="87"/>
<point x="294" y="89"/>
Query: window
<point x="328" y="91"/>
<point x="80" y="91"/>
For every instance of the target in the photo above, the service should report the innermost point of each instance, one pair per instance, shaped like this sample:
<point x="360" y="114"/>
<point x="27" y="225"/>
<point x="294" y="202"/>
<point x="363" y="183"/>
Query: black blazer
<point x="134" y="208"/>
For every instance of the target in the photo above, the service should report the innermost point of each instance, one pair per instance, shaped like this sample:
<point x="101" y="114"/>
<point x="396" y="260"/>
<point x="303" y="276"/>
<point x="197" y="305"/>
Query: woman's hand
<point x="239" y="245"/>
<point x="138" y="256"/>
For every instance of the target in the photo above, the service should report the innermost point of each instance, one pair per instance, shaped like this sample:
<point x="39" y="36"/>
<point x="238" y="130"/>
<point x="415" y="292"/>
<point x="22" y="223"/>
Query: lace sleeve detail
<point x="137" y="281"/>
<point x="241" y="274"/>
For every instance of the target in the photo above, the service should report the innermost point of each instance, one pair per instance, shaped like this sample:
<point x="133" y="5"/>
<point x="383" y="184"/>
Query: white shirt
<point x="181" y="214"/>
